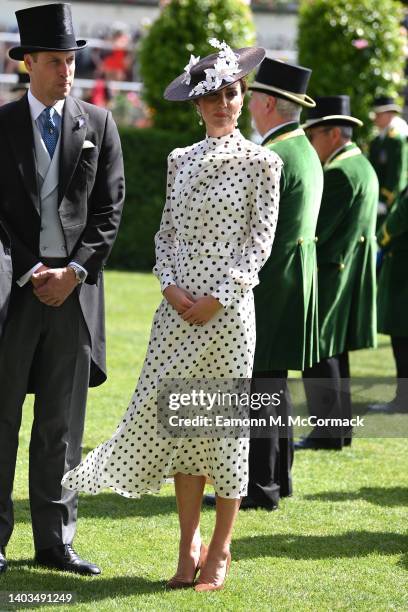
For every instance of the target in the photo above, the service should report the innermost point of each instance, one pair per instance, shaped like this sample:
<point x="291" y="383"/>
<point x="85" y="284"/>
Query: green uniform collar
<point x="289" y="127"/>
<point x="349" y="150"/>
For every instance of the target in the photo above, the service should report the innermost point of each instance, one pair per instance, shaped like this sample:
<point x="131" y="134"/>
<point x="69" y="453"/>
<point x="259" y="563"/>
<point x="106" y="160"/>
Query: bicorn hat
<point x="45" y="28"/>
<point x="383" y="104"/>
<point x="283" y="80"/>
<point x="331" y="110"/>
<point x="213" y="72"/>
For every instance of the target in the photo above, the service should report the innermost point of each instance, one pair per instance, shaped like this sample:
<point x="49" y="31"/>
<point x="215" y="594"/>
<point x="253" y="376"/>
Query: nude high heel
<point x="202" y="587"/>
<point x="177" y="583"/>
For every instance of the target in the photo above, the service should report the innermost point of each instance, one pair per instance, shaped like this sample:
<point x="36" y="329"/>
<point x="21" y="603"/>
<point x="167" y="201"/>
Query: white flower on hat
<point x="187" y="76"/>
<point x="225" y="67"/>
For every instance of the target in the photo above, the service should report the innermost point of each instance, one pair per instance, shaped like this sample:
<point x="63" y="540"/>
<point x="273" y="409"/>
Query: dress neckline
<point x="225" y="143"/>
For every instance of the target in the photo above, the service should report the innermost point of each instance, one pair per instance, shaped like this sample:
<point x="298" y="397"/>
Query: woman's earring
<point x="200" y="119"/>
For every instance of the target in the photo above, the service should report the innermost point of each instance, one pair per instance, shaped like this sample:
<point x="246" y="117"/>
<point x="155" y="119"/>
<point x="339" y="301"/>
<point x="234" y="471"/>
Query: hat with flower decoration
<point x="213" y="72"/>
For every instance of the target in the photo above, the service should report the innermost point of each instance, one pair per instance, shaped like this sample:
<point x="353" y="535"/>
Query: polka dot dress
<point x="216" y="232"/>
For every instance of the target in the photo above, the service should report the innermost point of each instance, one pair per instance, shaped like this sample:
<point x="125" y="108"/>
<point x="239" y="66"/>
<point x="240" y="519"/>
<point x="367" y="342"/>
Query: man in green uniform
<point x="286" y="297"/>
<point x="346" y="252"/>
<point x="388" y="153"/>
<point x="393" y="298"/>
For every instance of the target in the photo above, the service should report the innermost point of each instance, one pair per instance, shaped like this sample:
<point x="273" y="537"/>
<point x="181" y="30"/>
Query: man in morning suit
<point x="285" y="299"/>
<point x="61" y="198"/>
<point x="346" y="253"/>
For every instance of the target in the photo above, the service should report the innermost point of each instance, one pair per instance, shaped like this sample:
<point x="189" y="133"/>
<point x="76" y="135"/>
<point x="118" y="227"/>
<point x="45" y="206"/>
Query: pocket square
<point x="88" y="145"/>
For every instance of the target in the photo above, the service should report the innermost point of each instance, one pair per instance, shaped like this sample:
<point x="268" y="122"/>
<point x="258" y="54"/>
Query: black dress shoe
<point x="209" y="500"/>
<point x="3" y="560"/>
<point x="63" y="557"/>
<point x="393" y="407"/>
<point x="308" y="443"/>
<point x="247" y="503"/>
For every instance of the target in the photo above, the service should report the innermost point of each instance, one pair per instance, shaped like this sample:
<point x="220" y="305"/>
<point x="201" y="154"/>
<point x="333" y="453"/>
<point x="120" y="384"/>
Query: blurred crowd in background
<point x="106" y="71"/>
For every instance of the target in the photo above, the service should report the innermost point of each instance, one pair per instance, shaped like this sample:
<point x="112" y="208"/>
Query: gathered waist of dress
<point x="203" y="247"/>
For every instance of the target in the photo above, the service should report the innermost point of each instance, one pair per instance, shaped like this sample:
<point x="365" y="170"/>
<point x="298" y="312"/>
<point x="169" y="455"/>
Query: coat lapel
<point x="74" y="124"/>
<point x="22" y="141"/>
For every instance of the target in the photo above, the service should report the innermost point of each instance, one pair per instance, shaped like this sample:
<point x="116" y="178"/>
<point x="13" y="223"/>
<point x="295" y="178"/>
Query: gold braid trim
<point x="389" y="195"/>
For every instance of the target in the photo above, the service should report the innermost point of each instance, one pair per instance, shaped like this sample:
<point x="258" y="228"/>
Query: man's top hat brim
<point x="248" y="59"/>
<point x="301" y="99"/>
<point x="17" y="53"/>
<point x="383" y="104"/>
<point x="335" y="120"/>
<point x="384" y="108"/>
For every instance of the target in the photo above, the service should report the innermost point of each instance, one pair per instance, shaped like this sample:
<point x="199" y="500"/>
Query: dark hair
<point x="244" y="85"/>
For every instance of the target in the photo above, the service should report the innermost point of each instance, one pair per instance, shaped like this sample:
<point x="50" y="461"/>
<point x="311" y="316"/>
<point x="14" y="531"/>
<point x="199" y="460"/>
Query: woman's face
<point x="220" y="110"/>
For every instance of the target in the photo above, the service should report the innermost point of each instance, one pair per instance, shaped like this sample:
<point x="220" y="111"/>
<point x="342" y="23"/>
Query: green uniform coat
<point x="388" y="155"/>
<point x="393" y="280"/>
<point x="286" y="298"/>
<point x="346" y="254"/>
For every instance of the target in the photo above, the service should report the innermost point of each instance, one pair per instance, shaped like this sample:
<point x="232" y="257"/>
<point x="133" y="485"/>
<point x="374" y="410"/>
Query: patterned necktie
<point x="50" y="131"/>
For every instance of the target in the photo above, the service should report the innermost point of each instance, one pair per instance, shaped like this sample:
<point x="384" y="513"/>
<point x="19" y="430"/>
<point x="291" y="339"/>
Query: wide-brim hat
<point x="223" y="68"/>
<point x="45" y="28"/>
<point x="283" y="80"/>
<point x="385" y="104"/>
<point x="331" y="110"/>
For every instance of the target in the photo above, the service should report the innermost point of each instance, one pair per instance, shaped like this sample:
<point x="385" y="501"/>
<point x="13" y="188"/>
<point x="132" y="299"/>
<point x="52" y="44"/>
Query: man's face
<point x="322" y="140"/>
<point x="51" y="74"/>
<point x="258" y="110"/>
<point x="382" y="120"/>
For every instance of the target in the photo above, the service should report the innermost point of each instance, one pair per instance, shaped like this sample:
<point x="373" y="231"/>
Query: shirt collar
<point x="37" y="107"/>
<point x="275" y="129"/>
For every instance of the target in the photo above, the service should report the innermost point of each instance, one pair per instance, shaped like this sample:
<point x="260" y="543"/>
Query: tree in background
<point x="183" y="28"/>
<point x="354" y="47"/>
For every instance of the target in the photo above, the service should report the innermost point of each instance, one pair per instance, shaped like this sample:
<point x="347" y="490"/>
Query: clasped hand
<point x="53" y="286"/>
<point x="196" y="312"/>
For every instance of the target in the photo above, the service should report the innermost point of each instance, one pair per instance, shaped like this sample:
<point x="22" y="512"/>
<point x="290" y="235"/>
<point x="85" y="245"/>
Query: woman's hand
<point x="180" y="299"/>
<point x="202" y="310"/>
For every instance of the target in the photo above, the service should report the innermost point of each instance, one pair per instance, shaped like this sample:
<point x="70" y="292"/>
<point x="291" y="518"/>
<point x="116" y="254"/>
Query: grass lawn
<point x="340" y="543"/>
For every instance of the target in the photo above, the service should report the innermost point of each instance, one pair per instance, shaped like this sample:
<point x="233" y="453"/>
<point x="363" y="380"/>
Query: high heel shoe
<point x="202" y="587"/>
<point x="178" y="583"/>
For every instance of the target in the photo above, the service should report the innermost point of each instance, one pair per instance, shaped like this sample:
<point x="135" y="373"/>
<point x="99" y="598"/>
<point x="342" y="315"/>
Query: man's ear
<point x="270" y="103"/>
<point x="28" y="62"/>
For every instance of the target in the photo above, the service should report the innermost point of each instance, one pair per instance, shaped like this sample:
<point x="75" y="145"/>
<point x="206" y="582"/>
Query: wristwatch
<point x="80" y="274"/>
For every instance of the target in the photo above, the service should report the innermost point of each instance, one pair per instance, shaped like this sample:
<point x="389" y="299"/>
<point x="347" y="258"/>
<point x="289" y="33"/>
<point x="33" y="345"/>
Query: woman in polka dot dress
<point x="216" y="232"/>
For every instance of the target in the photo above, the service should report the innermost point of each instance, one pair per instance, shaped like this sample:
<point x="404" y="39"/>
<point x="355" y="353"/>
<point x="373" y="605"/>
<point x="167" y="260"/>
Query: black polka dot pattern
<point x="216" y="232"/>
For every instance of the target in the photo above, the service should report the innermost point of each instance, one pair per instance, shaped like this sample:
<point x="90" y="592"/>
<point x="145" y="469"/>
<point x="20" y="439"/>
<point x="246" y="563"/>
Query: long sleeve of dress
<point x="243" y="275"/>
<point x="165" y="239"/>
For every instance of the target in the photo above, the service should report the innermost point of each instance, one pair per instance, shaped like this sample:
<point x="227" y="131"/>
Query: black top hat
<point x="45" y="28"/>
<point x="283" y="80"/>
<point x="225" y="67"/>
<point x="383" y="104"/>
<point x="22" y="83"/>
<point x="331" y="110"/>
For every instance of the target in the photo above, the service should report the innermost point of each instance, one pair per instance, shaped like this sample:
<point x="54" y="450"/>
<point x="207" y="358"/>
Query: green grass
<point x="340" y="543"/>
